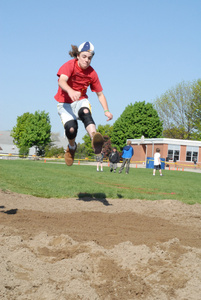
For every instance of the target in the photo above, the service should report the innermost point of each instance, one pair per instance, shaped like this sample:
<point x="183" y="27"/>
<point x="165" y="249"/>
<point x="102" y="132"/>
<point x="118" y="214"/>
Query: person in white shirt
<point x="157" y="162"/>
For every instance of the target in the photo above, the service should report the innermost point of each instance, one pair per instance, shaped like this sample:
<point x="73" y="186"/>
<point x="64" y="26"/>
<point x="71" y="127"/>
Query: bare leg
<point x="91" y="128"/>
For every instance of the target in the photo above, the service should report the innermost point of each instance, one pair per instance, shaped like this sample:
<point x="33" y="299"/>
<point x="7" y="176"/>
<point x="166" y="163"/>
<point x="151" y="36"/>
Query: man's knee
<point x="85" y="116"/>
<point x="71" y="129"/>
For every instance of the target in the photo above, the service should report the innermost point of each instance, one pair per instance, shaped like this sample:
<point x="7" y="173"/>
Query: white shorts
<point x="69" y="111"/>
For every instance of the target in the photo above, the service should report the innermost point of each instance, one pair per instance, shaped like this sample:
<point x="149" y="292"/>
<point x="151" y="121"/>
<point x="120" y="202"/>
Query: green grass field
<point x="56" y="180"/>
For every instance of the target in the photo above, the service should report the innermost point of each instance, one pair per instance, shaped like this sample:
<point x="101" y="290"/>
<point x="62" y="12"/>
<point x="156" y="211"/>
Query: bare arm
<point x="104" y="104"/>
<point x="74" y="95"/>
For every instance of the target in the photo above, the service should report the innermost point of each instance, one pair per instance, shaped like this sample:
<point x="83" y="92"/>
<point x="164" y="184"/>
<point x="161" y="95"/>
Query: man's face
<point x="84" y="59"/>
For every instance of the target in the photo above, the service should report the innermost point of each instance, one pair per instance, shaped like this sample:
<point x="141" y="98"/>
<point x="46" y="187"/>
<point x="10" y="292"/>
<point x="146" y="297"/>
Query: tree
<point x="24" y="151"/>
<point x="54" y="151"/>
<point x="80" y="151"/>
<point x="32" y="130"/>
<point x="136" y="120"/>
<point x="174" y="132"/>
<point x="195" y="113"/>
<point x="18" y="131"/>
<point x="174" y="109"/>
<point x="87" y="144"/>
<point x="107" y="146"/>
<point x="105" y="130"/>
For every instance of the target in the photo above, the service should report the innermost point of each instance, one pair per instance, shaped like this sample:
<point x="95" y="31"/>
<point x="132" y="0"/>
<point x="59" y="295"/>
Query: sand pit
<point x="58" y="249"/>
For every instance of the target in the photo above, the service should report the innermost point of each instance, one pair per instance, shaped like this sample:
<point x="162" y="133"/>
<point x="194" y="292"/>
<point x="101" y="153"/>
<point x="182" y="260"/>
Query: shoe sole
<point x="97" y="143"/>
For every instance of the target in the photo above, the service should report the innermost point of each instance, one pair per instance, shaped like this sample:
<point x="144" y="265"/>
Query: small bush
<point x="55" y="152"/>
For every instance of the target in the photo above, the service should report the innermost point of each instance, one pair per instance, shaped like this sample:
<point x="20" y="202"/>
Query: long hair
<point x="74" y="52"/>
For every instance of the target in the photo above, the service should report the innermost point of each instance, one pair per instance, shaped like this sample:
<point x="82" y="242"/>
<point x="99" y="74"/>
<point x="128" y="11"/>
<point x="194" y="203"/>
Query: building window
<point x="191" y="153"/>
<point x="176" y="155"/>
<point x="173" y="152"/>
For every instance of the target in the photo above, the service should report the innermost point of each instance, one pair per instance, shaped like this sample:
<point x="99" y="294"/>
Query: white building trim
<point x="166" y="141"/>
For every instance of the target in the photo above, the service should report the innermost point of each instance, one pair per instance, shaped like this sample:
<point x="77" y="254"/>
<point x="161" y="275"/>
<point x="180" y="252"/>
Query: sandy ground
<point x="56" y="249"/>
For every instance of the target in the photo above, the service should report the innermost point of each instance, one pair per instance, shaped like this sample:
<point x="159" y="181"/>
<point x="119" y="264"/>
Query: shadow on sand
<point x="10" y="211"/>
<point x="100" y="197"/>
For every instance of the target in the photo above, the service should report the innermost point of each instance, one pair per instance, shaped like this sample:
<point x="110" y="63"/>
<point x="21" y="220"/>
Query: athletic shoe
<point x="97" y="142"/>
<point x="111" y="170"/>
<point x="69" y="155"/>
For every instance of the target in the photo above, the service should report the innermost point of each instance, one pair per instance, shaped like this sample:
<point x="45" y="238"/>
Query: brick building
<point x="183" y="152"/>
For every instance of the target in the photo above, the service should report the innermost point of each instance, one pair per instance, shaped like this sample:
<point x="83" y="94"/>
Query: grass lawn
<point x="56" y="180"/>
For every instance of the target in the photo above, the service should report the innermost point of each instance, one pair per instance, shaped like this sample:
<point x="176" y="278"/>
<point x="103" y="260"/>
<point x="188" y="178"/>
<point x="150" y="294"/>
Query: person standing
<point x="114" y="159"/>
<point x="195" y="162"/>
<point x="127" y="154"/>
<point x="157" y="162"/>
<point x="75" y="76"/>
<point x="99" y="159"/>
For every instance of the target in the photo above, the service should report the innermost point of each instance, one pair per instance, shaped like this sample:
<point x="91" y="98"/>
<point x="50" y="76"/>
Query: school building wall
<point x="142" y="151"/>
<point x="147" y="149"/>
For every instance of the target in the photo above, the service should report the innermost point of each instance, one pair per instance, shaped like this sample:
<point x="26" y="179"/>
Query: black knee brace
<point x="86" y="118"/>
<point x="68" y="125"/>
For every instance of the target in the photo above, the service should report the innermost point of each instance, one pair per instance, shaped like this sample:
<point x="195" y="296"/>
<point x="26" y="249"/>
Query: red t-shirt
<point x="78" y="79"/>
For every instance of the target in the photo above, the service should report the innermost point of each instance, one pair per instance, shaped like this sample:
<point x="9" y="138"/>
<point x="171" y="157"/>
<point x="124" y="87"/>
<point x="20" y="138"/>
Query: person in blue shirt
<point x="127" y="154"/>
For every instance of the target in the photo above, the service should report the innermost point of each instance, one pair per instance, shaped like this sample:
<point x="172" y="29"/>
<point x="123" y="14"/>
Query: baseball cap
<point x="87" y="46"/>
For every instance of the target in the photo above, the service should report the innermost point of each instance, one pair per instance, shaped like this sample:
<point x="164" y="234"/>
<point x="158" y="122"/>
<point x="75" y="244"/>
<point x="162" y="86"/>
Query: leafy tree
<point x="195" y="113"/>
<point x="175" y="111"/>
<point x="81" y="151"/>
<point x="136" y="120"/>
<point x="54" y="151"/>
<point x="107" y="146"/>
<point x="105" y="130"/>
<point x="32" y="130"/>
<point x="18" y="131"/>
<point x="24" y="151"/>
<point x="87" y="145"/>
<point x="174" y="132"/>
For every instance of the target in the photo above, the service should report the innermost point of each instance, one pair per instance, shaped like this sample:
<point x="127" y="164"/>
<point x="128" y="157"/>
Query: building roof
<point x="7" y="146"/>
<point x="5" y="138"/>
<point x="166" y="141"/>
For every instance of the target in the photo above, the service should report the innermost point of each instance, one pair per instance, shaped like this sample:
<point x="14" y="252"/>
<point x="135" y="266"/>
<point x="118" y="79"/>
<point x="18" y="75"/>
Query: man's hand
<point x="109" y="115"/>
<point x="63" y="83"/>
<point x="74" y="95"/>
